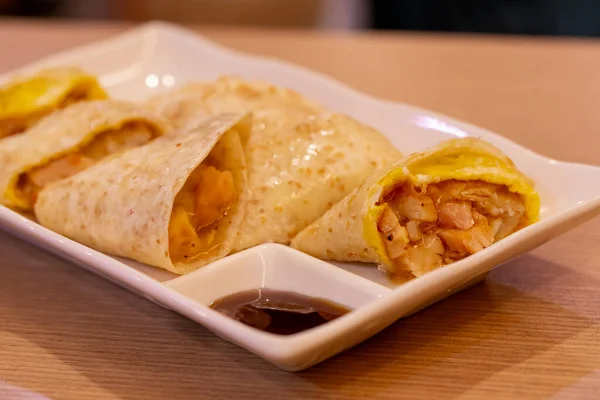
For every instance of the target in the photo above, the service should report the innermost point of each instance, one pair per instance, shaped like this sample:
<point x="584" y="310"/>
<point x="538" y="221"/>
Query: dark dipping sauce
<point x="279" y="312"/>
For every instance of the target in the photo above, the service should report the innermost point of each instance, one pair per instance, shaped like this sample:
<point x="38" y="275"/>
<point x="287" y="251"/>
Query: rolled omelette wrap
<point x="302" y="159"/>
<point x="428" y="210"/>
<point x="173" y="203"/>
<point x="69" y="141"/>
<point x="26" y="99"/>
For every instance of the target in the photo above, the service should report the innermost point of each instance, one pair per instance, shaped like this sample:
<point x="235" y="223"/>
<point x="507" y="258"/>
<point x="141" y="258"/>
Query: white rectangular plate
<point x="159" y="56"/>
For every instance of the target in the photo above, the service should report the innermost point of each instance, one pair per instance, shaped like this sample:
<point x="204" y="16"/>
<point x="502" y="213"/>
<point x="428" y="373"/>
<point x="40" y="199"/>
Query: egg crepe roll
<point x="68" y="141"/>
<point x="428" y="210"/>
<point x="173" y="203"/>
<point x="26" y="99"/>
<point x="302" y="158"/>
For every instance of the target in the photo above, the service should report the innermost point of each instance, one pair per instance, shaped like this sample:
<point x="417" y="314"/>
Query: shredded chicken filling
<point x="106" y="143"/>
<point x="206" y="197"/>
<point x="430" y="226"/>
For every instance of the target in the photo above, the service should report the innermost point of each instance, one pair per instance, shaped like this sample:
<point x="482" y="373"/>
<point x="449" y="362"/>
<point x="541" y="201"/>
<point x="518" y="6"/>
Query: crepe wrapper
<point x="348" y="231"/>
<point x="63" y="132"/>
<point x="122" y="206"/>
<point x="26" y="99"/>
<point x="302" y="159"/>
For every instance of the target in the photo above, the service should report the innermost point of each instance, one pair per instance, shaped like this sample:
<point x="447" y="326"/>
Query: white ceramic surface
<point x="159" y="56"/>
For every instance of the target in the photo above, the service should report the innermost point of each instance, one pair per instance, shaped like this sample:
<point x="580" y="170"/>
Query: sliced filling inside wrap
<point x="129" y="135"/>
<point x="203" y="201"/>
<point x="208" y="194"/>
<point x="428" y="226"/>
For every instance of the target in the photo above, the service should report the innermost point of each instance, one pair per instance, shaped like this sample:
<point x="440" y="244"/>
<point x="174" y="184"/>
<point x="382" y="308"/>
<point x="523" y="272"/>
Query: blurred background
<point x="532" y="17"/>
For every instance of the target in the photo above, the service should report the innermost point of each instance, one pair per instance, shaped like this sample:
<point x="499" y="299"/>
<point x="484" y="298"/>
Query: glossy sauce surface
<point x="279" y="312"/>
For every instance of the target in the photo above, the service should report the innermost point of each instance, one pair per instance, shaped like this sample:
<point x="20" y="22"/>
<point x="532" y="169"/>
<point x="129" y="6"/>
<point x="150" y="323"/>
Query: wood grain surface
<point x="531" y="330"/>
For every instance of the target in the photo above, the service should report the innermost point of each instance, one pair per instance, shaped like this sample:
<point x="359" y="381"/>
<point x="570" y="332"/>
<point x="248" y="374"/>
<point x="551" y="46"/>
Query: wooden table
<point x="531" y="330"/>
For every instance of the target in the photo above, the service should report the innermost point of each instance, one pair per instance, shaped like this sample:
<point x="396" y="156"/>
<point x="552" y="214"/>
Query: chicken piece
<point x="488" y="198"/>
<point x="497" y="204"/>
<point x="215" y="193"/>
<point x="419" y="260"/>
<point x="434" y="243"/>
<point x="424" y="257"/>
<point x="495" y="225"/>
<point x="396" y="237"/>
<point x="60" y="168"/>
<point x="414" y="230"/>
<point x="508" y="225"/>
<point x="456" y="214"/>
<point x="446" y="191"/>
<point x="413" y="205"/>
<point x="471" y="240"/>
